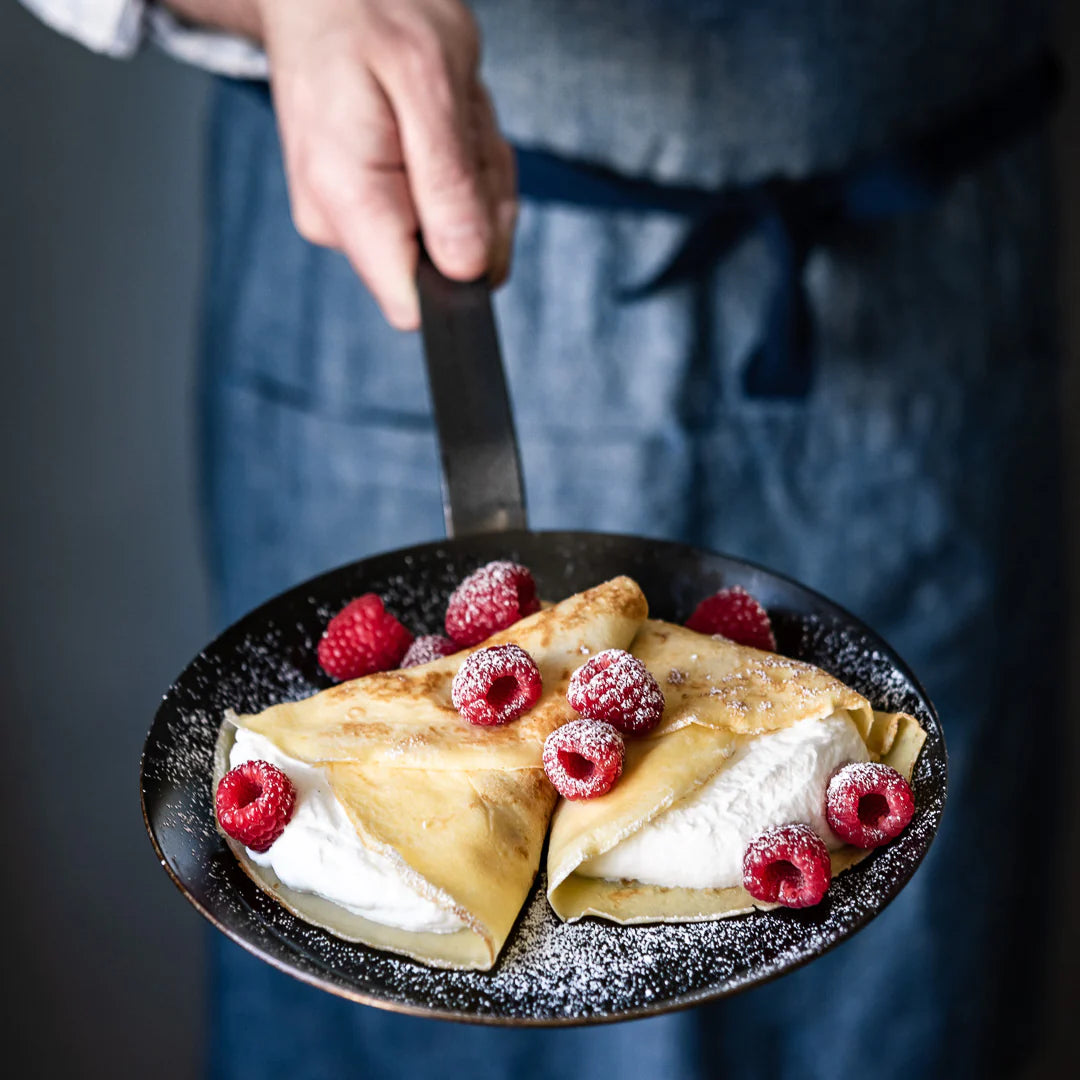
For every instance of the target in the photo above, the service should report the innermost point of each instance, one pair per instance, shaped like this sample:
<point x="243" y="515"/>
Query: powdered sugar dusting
<point x="549" y="972"/>
<point x="490" y="599"/>
<point x="479" y="675"/>
<point x="594" y="740"/>
<point x="866" y="775"/>
<point x="868" y="824"/>
<point x="426" y="648"/>
<point x="617" y="687"/>
<point x="590" y="737"/>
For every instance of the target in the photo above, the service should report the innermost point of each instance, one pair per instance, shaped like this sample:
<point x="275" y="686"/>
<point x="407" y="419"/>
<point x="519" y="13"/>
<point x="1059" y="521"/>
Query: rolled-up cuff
<point x="214" y="50"/>
<point x="112" y="27"/>
<point x="119" y="28"/>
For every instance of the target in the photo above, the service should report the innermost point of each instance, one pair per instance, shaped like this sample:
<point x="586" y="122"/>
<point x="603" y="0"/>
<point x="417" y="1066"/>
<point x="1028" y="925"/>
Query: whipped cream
<point x="773" y="779"/>
<point x="320" y="852"/>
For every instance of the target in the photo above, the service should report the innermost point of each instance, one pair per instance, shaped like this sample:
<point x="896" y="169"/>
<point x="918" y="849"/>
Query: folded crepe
<point x="460" y="810"/>
<point x="718" y="696"/>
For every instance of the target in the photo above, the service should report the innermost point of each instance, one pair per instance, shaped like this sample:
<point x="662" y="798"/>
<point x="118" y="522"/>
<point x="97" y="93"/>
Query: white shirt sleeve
<point x="120" y="27"/>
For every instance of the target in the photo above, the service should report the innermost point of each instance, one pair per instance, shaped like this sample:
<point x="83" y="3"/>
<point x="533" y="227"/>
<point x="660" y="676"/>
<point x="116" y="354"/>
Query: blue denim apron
<point x="913" y="478"/>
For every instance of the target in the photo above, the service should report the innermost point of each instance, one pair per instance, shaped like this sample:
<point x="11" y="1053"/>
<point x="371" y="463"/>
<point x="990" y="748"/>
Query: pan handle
<point x="481" y="470"/>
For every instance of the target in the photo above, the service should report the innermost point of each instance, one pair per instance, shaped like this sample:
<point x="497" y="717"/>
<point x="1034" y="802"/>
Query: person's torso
<point x="730" y="91"/>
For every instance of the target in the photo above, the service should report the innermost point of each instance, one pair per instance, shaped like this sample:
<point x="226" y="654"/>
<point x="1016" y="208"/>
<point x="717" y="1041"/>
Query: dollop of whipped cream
<point x="773" y="779"/>
<point x="320" y="852"/>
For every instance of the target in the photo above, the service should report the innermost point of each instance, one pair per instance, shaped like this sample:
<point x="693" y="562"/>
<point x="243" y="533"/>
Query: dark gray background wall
<point x="1059" y="1056"/>
<point x="103" y="591"/>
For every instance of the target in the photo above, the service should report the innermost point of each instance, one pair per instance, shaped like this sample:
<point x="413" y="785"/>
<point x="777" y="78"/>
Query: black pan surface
<point x="549" y="973"/>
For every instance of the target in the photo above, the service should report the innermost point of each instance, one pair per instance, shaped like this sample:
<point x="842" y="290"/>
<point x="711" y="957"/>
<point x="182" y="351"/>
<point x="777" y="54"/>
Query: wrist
<point x="236" y="16"/>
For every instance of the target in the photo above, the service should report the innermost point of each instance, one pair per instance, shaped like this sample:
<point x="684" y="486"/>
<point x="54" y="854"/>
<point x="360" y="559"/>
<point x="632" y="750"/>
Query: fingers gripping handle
<point x="482" y="487"/>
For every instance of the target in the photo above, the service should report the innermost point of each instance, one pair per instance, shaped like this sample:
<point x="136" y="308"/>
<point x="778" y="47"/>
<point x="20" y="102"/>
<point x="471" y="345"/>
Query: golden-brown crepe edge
<point x="406" y="719"/>
<point x="470" y="948"/>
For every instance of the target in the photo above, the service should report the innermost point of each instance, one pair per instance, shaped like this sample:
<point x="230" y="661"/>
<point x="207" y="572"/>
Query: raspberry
<point x="361" y="638"/>
<point x="789" y="865"/>
<point x="617" y="687"/>
<point x="584" y="758"/>
<point x="427" y="648"/>
<point x="868" y="804"/>
<point x="496" y="685"/>
<point x="488" y="600"/>
<point x="736" y="615"/>
<point x="254" y="802"/>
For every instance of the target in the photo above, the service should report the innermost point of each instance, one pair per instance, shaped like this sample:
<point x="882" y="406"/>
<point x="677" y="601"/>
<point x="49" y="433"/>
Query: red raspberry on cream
<point x="788" y="865"/>
<point x="254" y="803"/>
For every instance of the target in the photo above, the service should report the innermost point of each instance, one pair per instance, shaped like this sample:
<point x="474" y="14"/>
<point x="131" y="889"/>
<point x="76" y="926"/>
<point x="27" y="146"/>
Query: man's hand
<point x="387" y="131"/>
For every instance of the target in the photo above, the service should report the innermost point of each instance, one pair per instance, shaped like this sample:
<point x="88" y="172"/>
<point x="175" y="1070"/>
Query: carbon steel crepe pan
<point x="549" y="973"/>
